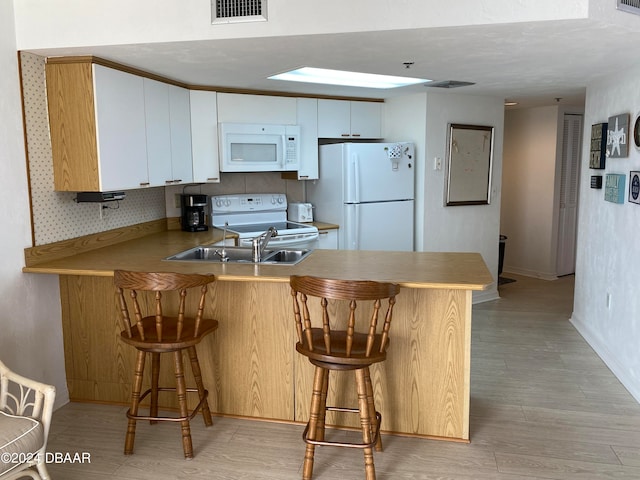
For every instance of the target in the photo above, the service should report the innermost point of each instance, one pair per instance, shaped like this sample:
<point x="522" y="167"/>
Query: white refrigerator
<point x="368" y="190"/>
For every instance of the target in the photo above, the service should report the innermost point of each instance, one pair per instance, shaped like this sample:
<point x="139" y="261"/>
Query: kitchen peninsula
<point x="250" y="365"/>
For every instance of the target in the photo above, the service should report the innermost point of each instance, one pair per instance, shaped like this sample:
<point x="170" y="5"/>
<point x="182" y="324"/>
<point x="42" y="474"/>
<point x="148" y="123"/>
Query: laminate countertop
<point x="451" y="270"/>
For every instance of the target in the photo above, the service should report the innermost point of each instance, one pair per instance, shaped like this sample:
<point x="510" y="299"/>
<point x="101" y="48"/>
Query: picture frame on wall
<point x="634" y="187"/>
<point x="469" y="165"/>
<point x="618" y="136"/>
<point x="636" y="132"/>
<point x="598" y="151"/>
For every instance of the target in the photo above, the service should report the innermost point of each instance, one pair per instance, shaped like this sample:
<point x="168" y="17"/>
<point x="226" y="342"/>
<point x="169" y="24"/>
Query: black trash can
<point x="501" y="245"/>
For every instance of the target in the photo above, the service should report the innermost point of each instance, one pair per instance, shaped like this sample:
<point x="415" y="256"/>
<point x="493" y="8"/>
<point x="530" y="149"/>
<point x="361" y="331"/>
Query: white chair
<point x="25" y="416"/>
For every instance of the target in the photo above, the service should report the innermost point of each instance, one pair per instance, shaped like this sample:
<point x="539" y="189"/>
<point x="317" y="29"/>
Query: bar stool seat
<point x="342" y="340"/>
<point x="153" y="332"/>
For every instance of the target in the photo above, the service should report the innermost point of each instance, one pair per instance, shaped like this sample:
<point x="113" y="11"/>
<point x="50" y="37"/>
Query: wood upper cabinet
<point x="349" y="119"/>
<point x="113" y="130"/>
<point x="97" y="122"/>
<point x="204" y="136"/>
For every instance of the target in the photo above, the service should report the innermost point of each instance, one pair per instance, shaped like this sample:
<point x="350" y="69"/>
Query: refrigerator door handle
<point x="352" y="192"/>
<point x="351" y="226"/>
<point x="356" y="228"/>
<point x="356" y="177"/>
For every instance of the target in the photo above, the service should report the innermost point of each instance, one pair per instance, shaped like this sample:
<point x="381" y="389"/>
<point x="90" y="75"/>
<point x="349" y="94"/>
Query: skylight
<point x="350" y="79"/>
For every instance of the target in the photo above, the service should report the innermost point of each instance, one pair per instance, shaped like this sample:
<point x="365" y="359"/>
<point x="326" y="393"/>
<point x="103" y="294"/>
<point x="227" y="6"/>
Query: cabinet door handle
<point x="144" y="184"/>
<point x="178" y="181"/>
<point x="212" y="178"/>
<point x="167" y="182"/>
<point x="355" y="134"/>
<point x="345" y="135"/>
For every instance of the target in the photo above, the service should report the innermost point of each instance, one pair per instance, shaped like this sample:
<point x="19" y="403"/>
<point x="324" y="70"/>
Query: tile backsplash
<point x="56" y="215"/>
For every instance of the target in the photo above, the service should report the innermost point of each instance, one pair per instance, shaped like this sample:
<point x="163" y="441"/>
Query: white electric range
<point x="251" y="215"/>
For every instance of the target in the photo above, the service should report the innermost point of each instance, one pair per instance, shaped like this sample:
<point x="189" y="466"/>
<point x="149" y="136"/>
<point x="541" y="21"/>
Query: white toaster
<point x="300" y="212"/>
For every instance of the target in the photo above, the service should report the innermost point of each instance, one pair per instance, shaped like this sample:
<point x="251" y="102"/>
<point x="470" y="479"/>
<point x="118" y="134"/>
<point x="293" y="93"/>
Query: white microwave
<point x="246" y="147"/>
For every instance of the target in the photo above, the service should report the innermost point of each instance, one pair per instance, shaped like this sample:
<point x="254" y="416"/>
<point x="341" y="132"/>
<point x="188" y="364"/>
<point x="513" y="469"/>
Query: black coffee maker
<point x="194" y="212"/>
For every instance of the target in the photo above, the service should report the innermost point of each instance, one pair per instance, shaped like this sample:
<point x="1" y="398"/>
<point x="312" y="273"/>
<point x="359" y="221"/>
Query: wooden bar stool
<point x="342" y="343"/>
<point x="154" y="333"/>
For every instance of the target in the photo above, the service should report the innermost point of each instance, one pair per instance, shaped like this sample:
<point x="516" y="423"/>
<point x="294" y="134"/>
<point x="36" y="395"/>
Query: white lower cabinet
<point x="328" y="239"/>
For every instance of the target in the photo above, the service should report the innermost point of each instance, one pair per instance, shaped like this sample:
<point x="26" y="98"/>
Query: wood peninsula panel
<point x="254" y="354"/>
<point x="423" y="386"/>
<point x="250" y="364"/>
<point x="246" y="364"/>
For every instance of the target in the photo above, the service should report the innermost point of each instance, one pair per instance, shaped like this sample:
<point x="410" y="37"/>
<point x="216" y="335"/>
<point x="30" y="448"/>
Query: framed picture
<point x="634" y="187"/>
<point x="598" y="152"/>
<point x="618" y="136"/>
<point x="636" y="132"/>
<point x="469" y="164"/>
<point x="614" y="187"/>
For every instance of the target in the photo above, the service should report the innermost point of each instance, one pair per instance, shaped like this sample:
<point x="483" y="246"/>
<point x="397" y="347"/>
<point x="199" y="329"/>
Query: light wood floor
<point x="543" y="406"/>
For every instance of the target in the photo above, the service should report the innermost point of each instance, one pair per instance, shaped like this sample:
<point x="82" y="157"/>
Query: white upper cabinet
<point x="180" y="116"/>
<point x="158" y="127"/>
<point x="244" y="108"/>
<point x="204" y="136"/>
<point x="308" y="122"/>
<point x="168" y="130"/>
<point x="366" y="119"/>
<point x="349" y="119"/>
<point x="120" y="129"/>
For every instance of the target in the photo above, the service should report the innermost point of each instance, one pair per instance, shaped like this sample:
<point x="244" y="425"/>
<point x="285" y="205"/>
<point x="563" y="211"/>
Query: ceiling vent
<point x="631" y="6"/>
<point x="236" y="11"/>
<point x="448" y="84"/>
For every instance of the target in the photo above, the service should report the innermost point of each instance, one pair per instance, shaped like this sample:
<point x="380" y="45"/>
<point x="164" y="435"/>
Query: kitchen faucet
<point x="259" y="243"/>
<point x="223" y="253"/>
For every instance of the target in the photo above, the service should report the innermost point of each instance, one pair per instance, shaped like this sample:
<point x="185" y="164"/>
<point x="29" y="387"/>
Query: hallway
<point x="543" y="406"/>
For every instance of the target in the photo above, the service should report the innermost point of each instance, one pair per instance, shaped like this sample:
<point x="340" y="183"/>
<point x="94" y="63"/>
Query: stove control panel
<point x="248" y="202"/>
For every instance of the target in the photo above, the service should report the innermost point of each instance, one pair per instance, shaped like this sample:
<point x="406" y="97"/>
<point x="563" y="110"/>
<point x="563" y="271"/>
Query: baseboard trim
<point x="530" y="273"/>
<point x="485" y="296"/>
<point x="607" y="357"/>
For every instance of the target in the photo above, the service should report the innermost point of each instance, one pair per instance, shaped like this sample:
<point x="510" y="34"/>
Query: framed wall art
<point x="598" y="152"/>
<point x="634" y="187"/>
<point x="614" y="188"/>
<point x="618" y="136"/>
<point x="636" y="132"/>
<point x="469" y="164"/>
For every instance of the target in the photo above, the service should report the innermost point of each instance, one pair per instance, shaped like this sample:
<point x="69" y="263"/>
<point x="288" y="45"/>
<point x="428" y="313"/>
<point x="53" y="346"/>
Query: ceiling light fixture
<point x="350" y="79"/>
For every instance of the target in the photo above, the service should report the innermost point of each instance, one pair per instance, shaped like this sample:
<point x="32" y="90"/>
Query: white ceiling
<point x="533" y="63"/>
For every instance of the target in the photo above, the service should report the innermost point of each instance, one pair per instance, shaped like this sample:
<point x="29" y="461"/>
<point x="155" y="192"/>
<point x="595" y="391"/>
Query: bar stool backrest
<point x="160" y="283"/>
<point x="340" y="334"/>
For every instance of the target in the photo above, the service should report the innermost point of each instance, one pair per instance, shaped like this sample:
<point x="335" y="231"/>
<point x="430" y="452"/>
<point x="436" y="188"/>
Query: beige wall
<point x="608" y="262"/>
<point x="31" y="334"/>
<point x="528" y="185"/>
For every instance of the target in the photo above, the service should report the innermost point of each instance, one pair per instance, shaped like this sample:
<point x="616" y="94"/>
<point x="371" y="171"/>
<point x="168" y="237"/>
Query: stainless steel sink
<point x="240" y="255"/>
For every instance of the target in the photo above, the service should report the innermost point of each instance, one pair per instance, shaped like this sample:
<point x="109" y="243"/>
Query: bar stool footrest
<point x="374" y="440"/>
<point x="191" y="416"/>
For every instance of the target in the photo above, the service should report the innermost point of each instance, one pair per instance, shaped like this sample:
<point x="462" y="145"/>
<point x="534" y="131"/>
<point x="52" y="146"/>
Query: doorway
<point x="569" y="183"/>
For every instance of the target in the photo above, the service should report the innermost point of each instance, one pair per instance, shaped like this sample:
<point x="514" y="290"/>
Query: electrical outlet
<point x="176" y="200"/>
<point x="437" y="163"/>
